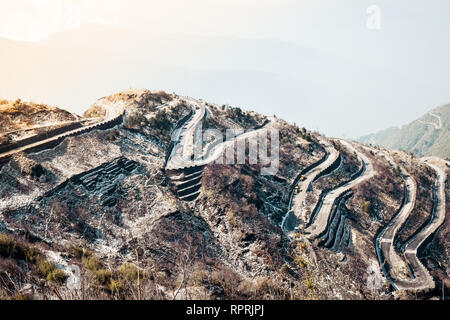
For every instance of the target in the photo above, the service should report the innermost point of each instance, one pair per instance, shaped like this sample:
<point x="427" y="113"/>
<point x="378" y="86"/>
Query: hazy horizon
<point x="315" y="63"/>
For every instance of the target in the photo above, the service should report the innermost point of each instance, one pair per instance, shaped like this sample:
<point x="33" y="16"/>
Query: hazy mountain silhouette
<point x="427" y="136"/>
<point x="306" y="86"/>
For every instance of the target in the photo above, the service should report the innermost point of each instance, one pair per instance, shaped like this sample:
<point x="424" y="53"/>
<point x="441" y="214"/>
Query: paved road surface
<point x="182" y="154"/>
<point x="321" y="222"/>
<point x="298" y="203"/>
<point x="397" y="265"/>
<point x="184" y="140"/>
<point x="113" y="111"/>
<point x="422" y="278"/>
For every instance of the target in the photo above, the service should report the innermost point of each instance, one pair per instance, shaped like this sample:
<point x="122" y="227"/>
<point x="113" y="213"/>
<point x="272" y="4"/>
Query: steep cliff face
<point x="103" y="201"/>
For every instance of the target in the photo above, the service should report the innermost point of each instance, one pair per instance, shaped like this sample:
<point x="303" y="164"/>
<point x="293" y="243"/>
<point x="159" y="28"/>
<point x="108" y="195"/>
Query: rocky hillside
<point x="426" y="136"/>
<point x="115" y="203"/>
<point x="19" y="115"/>
<point x="19" y="119"/>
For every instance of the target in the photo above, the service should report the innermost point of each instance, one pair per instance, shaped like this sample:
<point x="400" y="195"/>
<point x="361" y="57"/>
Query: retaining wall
<point x="38" y="137"/>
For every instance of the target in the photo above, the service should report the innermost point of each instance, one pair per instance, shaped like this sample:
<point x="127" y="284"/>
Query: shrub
<point x="46" y="267"/>
<point x="95" y="112"/>
<point x="76" y="252"/>
<point x="265" y="288"/>
<point x="91" y="263"/>
<point x="129" y="272"/>
<point x="300" y="261"/>
<point x="309" y="283"/>
<point x="17" y="103"/>
<point x="160" y="121"/>
<point x="51" y="272"/>
<point x="302" y="246"/>
<point x="366" y="206"/>
<point x="22" y="296"/>
<point x="163" y="94"/>
<point x="112" y="135"/>
<point x="57" y="276"/>
<point x="103" y="276"/>
<point x="116" y="286"/>
<point x="135" y="120"/>
<point x="242" y="118"/>
<point x="232" y="219"/>
<point x="15" y="249"/>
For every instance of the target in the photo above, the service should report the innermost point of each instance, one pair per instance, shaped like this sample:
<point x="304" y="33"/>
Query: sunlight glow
<point x="33" y="20"/>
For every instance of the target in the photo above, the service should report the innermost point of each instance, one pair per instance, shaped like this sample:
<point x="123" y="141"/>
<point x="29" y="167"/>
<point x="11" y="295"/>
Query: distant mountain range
<point x="426" y="136"/>
<point x="313" y="88"/>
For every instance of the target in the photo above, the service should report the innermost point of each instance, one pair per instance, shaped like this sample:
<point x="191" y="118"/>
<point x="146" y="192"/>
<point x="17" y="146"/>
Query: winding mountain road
<point x="422" y="279"/>
<point x="298" y="203"/>
<point x="182" y="158"/>
<point x="188" y="156"/>
<point x="396" y="271"/>
<point x="438" y="125"/>
<point x="385" y="240"/>
<point x="183" y="151"/>
<point x="320" y="223"/>
<point x="113" y="113"/>
<point x="182" y="155"/>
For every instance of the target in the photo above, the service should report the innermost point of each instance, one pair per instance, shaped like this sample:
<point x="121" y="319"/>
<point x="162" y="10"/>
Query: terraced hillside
<point x="132" y="198"/>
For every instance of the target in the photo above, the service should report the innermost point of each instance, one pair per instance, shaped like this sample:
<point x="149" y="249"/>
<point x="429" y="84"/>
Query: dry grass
<point x="18" y="115"/>
<point x="95" y="112"/>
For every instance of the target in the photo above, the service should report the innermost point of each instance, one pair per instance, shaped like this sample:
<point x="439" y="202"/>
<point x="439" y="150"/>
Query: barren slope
<point x="111" y="201"/>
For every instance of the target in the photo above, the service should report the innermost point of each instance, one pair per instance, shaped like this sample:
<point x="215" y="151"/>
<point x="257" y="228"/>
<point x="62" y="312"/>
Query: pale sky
<point x="412" y="42"/>
<point x="35" y="19"/>
<point x="331" y="25"/>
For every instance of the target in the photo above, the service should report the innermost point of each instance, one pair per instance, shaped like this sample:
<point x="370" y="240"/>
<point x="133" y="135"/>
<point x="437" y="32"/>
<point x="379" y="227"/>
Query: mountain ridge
<point x="426" y="136"/>
<point x="309" y="81"/>
<point x="210" y="230"/>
